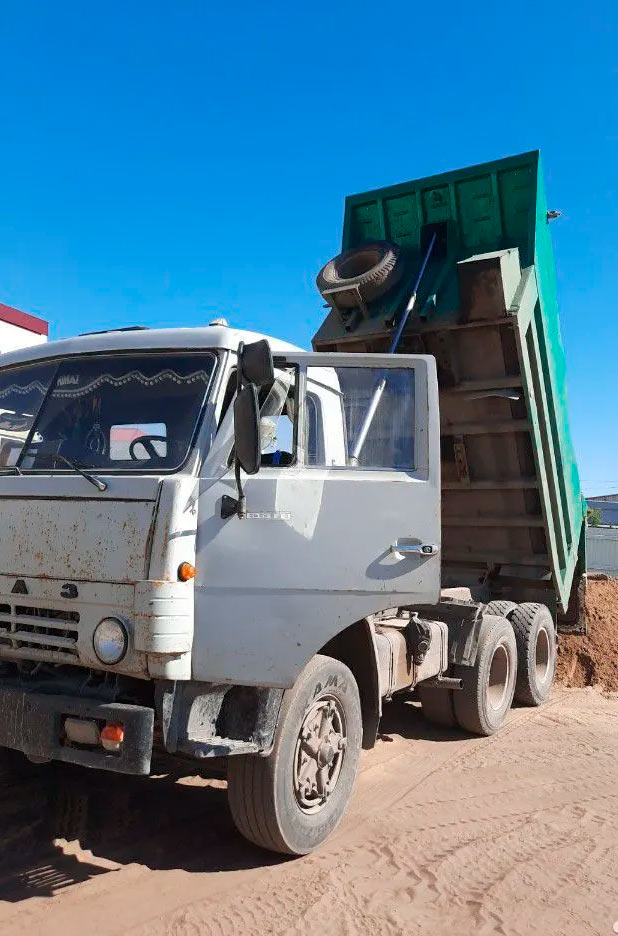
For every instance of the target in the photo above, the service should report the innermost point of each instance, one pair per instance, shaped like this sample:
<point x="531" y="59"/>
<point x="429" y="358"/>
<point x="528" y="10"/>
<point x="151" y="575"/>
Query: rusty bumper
<point x="32" y="722"/>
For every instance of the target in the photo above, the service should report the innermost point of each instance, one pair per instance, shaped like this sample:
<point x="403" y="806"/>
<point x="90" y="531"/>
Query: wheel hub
<point x="319" y="754"/>
<point x="498" y="678"/>
<point x="326" y="754"/>
<point x="542" y="662"/>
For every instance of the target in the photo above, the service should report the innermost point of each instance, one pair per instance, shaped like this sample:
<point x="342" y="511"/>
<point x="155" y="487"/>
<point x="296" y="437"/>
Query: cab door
<point x="329" y="538"/>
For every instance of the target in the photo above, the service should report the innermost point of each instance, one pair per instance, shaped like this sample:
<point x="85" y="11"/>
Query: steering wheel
<point x="146" y="441"/>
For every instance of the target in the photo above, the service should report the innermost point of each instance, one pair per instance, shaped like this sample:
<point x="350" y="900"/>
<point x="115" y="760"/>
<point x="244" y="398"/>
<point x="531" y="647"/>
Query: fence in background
<point x="602" y="549"/>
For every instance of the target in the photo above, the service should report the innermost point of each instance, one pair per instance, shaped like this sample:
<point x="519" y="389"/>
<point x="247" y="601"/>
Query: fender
<point x="356" y="647"/>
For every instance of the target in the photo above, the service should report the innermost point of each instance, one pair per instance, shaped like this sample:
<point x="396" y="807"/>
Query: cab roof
<point x="217" y="337"/>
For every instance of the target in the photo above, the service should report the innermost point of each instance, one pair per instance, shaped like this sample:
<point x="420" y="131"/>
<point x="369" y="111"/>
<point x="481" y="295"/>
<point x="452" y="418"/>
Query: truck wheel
<point x="535" y="635"/>
<point x="501" y="608"/>
<point x="292" y="800"/>
<point x="482" y="704"/>
<point x="367" y="271"/>
<point x="437" y="706"/>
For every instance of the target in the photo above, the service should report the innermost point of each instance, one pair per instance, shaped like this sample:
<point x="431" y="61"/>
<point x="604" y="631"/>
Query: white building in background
<point x="20" y="330"/>
<point x="17" y="330"/>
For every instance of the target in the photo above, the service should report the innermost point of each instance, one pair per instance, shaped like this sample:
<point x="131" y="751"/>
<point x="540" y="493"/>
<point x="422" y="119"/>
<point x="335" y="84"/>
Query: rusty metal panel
<point x="81" y="539"/>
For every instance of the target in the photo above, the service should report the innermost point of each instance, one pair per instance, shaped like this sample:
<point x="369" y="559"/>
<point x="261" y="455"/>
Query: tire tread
<point x="468" y="700"/>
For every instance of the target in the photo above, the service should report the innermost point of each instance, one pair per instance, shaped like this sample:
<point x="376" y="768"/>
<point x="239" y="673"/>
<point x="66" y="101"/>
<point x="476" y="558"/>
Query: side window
<point x="278" y="419"/>
<point x="367" y="416"/>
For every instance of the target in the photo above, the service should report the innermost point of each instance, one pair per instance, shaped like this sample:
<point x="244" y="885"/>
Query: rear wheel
<point x="292" y="800"/>
<point x="481" y="706"/>
<point x="501" y="608"/>
<point x="535" y="635"/>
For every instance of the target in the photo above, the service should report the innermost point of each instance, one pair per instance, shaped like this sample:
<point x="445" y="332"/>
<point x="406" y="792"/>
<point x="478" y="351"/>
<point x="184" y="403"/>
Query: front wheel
<point x="290" y="801"/>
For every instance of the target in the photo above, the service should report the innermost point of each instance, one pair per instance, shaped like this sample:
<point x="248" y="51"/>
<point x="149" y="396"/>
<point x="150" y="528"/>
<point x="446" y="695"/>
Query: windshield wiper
<point x="6" y="468"/>
<point x="51" y="449"/>
<point x="99" y="485"/>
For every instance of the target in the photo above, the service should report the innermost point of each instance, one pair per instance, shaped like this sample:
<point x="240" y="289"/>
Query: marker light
<point x="110" y="641"/>
<point x="186" y="571"/>
<point x="112" y="737"/>
<point x="82" y="731"/>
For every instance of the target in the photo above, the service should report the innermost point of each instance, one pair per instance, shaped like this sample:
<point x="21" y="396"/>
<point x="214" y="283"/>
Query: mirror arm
<point x="234" y="506"/>
<point x="241" y="509"/>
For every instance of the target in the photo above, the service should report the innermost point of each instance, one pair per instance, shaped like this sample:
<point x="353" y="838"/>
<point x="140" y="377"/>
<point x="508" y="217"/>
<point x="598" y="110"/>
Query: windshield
<point x="124" y="412"/>
<point x="22" y="390"/>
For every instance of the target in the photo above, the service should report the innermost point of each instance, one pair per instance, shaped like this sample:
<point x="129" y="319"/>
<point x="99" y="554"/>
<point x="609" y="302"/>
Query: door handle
<point x="422" y="549"/>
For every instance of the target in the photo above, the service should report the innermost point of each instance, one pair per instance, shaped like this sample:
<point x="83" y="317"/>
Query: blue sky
<point x="163" y="163"/>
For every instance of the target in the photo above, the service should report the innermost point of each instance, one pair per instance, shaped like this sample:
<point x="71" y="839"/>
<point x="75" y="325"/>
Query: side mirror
<point x="247" y="429"/>
<point x="255" y="369"/>
<point x="256" y="363"/>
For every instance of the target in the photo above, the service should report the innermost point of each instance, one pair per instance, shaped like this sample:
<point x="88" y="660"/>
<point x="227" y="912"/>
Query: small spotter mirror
<point x="256" y="363"/>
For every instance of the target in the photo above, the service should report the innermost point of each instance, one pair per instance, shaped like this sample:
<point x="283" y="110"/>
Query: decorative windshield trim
<point x="16" y="388"/>
<point x="137" y="376"/>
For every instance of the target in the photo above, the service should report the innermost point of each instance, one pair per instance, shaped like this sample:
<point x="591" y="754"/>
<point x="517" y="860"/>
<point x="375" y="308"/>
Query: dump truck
<point x="223" y="548"/>
<point x="512" y="508"/>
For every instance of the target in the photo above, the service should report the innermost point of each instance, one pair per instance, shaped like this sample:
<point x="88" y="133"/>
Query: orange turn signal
<point x="186" y="571"/>
<point x="113" y="733"/>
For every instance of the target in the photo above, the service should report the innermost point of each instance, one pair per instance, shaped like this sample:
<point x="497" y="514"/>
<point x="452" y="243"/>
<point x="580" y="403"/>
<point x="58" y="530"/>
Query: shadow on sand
<point x="161" y="821"/>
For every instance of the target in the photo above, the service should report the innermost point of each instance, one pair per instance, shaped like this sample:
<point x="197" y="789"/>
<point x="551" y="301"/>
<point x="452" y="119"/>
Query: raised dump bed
<point x="512" y="509"/>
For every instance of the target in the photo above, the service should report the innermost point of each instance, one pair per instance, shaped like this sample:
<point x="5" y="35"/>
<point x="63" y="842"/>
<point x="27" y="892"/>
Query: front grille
<point x="33" y="633"/>
<point x="49" y="614"/>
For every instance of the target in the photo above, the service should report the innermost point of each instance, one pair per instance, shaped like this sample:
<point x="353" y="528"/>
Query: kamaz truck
<point x="218" y="545"/>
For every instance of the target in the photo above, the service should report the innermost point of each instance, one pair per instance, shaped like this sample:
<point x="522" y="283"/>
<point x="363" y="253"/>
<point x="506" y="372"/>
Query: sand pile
<point x="593" y="660"/>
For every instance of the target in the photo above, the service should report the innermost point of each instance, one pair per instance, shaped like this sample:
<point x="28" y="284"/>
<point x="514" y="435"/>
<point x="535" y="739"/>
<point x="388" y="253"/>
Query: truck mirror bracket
<point x="229" y="506"/>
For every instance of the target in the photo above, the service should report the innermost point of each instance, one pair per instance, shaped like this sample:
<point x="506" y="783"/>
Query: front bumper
<point x="32" y="722"/>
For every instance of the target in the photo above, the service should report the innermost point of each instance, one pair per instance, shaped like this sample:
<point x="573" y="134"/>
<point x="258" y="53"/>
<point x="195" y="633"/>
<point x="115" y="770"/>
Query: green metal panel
<point x="493" y="207"/>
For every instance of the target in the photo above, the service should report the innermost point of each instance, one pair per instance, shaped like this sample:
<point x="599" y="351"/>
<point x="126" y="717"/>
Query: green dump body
<point x="512" y="508"/>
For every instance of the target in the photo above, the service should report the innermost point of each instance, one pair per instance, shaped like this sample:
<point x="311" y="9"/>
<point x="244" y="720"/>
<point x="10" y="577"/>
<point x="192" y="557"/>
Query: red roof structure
<point x="23" y="320"/>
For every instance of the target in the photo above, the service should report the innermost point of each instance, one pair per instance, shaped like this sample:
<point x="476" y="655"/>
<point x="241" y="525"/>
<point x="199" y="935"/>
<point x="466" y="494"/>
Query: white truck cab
<point x="144" y="594"/>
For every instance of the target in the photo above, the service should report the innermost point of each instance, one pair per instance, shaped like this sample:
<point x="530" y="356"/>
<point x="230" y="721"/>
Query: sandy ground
<point x="593" y="660"/>
<point x="446" y="834"/>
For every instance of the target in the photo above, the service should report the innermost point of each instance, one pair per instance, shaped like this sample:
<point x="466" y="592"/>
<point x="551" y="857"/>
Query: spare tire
<point x="367" y="271"/>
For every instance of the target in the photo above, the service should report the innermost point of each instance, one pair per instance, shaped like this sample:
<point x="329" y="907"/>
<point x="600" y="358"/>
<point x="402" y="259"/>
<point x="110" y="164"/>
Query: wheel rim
<point x="542" y="655"/>
<point x="319" y="754"/>
<point x="499" y="678"/>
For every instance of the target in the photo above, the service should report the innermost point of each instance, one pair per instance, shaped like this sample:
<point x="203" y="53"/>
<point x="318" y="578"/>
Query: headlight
<point x="110" y="641"/>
